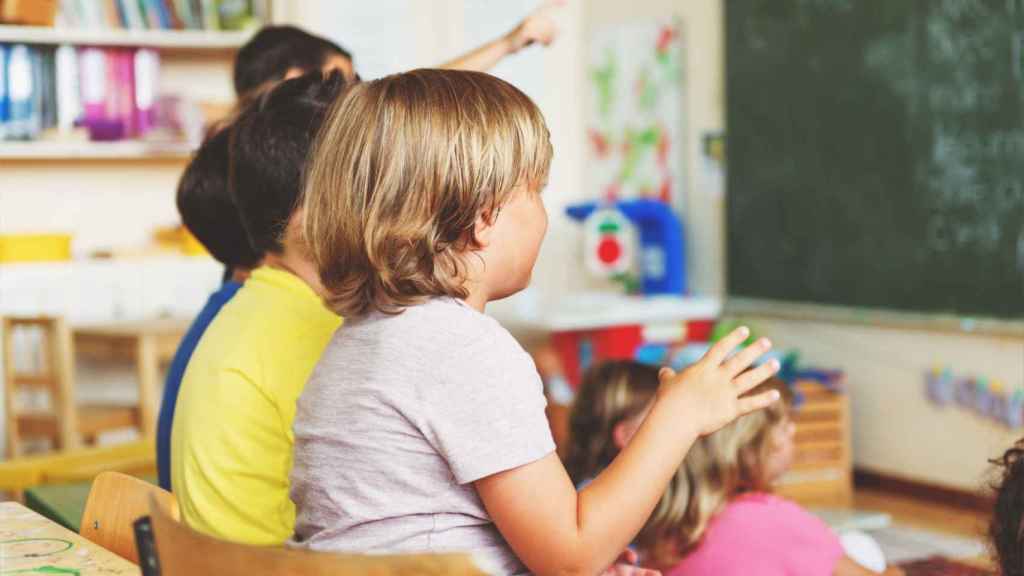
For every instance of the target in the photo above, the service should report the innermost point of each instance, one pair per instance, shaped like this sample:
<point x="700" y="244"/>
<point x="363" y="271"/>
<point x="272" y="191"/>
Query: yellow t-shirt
<point x="231" y="444"/>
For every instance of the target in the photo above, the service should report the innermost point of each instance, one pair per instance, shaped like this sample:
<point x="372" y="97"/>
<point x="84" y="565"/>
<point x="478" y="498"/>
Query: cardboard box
<point x="28" y="12"/>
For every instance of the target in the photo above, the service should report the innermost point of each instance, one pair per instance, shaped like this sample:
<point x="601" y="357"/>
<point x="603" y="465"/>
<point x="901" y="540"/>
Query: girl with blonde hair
<point x="613" y="400"/>
<point x="719" y="515"/>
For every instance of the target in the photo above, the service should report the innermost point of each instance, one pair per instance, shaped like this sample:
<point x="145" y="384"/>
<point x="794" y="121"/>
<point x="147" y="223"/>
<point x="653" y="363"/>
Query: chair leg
<point x="11" y="418"/>
<point x="148" y="374"/>
<point x="64" y="401"/>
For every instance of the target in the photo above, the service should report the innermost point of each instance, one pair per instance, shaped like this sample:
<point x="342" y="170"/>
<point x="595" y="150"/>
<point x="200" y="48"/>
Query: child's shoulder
<point x="453" y="322"/>
<point x="762" y="501"/>
<point x="765" y="508"/>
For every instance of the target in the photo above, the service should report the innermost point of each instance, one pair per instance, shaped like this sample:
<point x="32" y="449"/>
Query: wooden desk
<point x="147" y="343"/>
<point x="31" y="544"/>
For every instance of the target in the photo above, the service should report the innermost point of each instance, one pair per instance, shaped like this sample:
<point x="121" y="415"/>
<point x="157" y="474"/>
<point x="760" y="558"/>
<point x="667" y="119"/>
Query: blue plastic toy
<point x="662" y="245"/>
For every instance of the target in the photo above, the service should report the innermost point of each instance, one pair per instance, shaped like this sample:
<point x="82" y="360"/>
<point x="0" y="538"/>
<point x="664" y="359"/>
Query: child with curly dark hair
<point x="1007" y="530"/>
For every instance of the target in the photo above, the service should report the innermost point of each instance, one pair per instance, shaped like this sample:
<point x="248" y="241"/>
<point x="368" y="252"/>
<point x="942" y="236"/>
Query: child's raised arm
<point x="555" y="530"/>
<point x="537" y="28"/>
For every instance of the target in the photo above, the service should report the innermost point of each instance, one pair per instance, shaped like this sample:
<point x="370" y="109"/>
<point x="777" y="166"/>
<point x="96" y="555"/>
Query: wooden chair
<point x="185" y="552"/>
<point x="115" y="502"/>
<point x="62" y="423"/>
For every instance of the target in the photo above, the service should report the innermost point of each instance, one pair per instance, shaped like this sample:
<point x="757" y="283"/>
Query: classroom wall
<point x="102" y="204"/>
<point x="896" y="430"/>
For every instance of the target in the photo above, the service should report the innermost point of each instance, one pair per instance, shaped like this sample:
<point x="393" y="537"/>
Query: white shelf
<point x="596" y="310"/>
<point x="126" y="150"/>
<point x="164" y="39"/>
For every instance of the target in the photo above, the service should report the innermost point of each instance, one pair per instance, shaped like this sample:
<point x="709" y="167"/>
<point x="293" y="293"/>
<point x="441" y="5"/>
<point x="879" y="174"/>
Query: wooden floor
<point x="924" y="515"/>
<point x="929" y="516"/>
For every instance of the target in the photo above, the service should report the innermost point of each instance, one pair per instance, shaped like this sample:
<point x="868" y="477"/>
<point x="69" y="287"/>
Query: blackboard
<point x="876" y="153"/>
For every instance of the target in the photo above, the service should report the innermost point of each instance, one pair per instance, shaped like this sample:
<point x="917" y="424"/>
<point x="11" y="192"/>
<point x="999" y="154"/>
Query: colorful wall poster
<point x="636" y="124"/>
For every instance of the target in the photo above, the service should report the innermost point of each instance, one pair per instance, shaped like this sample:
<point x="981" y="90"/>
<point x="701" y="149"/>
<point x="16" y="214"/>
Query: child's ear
<point x="621" y="434"/>
<point x="483" y="229"/>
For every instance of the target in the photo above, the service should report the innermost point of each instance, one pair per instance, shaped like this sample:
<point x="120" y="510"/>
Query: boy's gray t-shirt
<point x="400" y="416"/>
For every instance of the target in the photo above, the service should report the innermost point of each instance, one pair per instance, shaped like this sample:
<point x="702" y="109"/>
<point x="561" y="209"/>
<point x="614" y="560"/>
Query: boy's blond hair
<point x="403" y="168"/>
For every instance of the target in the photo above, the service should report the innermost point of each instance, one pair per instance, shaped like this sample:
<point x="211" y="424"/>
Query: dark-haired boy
<point x="209" y="213"/>
<point x="232" y="437"/>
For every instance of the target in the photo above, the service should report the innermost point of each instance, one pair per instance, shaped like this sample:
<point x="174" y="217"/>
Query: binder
<point x="4" y="101"/>
<point x="20" y="79"/>
<point x="147" y="84"/>
<point x="93" y="79"/>
<point x="69" y="103"/>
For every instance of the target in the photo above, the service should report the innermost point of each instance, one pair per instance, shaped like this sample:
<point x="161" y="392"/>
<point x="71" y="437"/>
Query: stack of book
<point x="163" y="14"/>
<point x="111" y="92"/>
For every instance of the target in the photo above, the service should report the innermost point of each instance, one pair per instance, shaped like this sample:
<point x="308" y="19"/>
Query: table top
<point x="31" y="544"/>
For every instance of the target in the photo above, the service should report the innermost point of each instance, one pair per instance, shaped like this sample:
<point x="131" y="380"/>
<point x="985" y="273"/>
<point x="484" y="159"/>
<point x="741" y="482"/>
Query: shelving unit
<point x="182" y="40"/>
<point x="216" y="44"/>
<point x="87" y="150"/>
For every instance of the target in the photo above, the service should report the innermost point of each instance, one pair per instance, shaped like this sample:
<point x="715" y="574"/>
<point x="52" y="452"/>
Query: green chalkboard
<point x="876" y="153"/>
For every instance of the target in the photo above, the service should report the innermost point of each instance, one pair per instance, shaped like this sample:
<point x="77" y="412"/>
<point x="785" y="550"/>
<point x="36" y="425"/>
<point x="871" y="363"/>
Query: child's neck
<point x="477" y="298"/>
<point x="297" y="265"/>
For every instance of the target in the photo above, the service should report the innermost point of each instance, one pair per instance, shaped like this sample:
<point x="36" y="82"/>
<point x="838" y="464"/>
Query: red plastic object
<point x="699" y="330"/>
<point x="618" y="343"/>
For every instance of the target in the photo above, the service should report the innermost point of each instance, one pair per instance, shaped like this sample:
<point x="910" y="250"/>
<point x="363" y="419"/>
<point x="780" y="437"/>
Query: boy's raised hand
<point x="713" y="389"/>
<point x="538" y="27"/>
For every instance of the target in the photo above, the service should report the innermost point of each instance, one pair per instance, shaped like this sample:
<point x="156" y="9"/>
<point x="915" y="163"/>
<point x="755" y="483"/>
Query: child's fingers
<point x="721" y="350"/>
<point x="628" y="556"/>
<point x="751" y="378"/>
<point x="749" y="404"/>
<point x="744" y="358"/>
<point x="666" y="374"/>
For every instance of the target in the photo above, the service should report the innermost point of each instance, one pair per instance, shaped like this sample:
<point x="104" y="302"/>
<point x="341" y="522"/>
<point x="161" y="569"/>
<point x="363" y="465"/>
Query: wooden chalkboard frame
<point x="738" y="306"/>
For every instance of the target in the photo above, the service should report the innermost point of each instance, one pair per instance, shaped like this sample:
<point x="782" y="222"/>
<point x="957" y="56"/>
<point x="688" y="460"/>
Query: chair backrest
<point x="115" y="501"/>
<point x="184" y="552"/>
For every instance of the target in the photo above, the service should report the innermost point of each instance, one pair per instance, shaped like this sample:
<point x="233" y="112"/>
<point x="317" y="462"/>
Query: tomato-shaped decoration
<point x="609" y="242"/>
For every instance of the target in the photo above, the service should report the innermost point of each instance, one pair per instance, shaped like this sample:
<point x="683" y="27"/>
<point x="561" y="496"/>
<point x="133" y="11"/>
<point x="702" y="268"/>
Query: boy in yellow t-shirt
<point x="231" y="445"/>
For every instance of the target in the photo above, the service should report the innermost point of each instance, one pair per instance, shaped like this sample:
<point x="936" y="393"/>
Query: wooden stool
<point x="60" y="421"/>
<point x="822" y="473"/>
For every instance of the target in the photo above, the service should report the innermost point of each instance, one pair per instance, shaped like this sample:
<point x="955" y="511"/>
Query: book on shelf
<point x="111" y="93"/>
<point x="212" y="15"/>
<point x="4" y="101"/>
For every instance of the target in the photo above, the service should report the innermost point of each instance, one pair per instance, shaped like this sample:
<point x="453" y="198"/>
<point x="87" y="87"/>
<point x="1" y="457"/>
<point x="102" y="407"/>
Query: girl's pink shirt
<point x="762" y="534"/>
